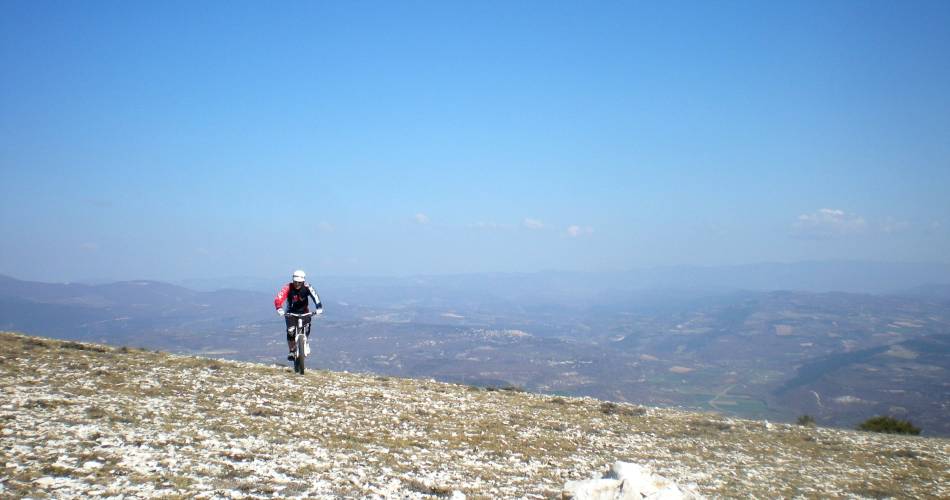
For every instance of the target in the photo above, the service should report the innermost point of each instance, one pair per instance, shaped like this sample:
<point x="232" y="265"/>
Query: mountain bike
<point x="302" y="342"/>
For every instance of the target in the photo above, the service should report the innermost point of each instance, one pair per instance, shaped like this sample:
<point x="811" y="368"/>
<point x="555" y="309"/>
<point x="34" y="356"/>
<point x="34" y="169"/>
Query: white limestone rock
<point x="592" y="489"/>
<point x="627" y="481"/>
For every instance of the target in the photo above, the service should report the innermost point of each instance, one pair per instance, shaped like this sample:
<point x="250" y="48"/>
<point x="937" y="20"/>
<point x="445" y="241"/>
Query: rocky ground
<point x="83" y="420"/>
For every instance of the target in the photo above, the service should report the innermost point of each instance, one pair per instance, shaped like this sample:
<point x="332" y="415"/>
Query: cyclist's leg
<point x="291" y="332"/>
<point x="306" y="324"/>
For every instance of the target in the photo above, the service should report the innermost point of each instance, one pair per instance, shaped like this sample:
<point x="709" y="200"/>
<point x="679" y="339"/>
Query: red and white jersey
<point x="297" y="299"/>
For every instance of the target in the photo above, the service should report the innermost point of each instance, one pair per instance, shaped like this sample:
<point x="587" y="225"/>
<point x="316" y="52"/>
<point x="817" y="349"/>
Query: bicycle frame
<point x="300" y="339"/>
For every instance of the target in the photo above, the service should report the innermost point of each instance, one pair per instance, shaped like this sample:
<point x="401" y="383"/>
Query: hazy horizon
<point x="813" y="276"/>
<point x="176" y="141"/>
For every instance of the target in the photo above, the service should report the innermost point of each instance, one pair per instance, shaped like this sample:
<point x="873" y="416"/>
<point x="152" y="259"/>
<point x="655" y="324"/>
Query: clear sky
<point x="171" y="140"/>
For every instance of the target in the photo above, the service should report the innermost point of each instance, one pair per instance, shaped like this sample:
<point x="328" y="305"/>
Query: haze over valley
<point x="840" y="357"/>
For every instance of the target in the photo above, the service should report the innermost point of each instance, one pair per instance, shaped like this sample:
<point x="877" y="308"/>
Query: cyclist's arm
<point x="318" y="306"/>
<point x="281" y="297"/>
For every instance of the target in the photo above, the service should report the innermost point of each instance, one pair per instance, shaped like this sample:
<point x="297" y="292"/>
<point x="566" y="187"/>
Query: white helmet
<point x="299" y="276"/>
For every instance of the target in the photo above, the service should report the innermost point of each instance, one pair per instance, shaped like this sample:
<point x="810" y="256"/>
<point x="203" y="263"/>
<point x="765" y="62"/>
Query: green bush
<point x="889" y="425"/>
<point x="806" y="421"/>
<point x="508" y="387"/>
<point x="513" y="388"/>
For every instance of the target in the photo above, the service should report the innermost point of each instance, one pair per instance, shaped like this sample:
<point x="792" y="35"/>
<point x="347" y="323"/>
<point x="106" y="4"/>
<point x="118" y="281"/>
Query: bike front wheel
<point x="301" y="354"/>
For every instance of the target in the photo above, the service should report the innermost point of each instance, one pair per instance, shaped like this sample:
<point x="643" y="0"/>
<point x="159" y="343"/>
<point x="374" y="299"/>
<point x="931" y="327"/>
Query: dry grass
<point x="131" y="419"/>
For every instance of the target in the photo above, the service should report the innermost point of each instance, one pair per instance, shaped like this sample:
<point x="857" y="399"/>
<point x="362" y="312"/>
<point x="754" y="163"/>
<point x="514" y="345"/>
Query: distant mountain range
<point x="817" y="276"/>
<point x="123" y="312"/>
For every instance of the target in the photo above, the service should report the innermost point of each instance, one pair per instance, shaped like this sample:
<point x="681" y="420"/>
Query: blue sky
<point x="173" y="140"/>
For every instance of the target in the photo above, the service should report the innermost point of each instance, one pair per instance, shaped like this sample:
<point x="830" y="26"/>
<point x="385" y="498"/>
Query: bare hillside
<point x="81" y="420"/>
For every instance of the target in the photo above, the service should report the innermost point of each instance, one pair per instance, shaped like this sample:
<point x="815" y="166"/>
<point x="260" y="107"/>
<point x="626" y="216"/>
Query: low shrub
<point x="508" y="388"/>
<point x="82" y="347"/>
<point x="806" y="421"/>
<point x="610" y="408"/>
<point x="889" y="425"/>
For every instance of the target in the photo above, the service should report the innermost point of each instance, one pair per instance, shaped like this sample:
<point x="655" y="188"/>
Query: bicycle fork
<point x="302" y="337"/>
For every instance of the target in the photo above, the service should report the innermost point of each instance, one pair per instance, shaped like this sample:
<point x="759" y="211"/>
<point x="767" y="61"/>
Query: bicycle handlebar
<point x="301" y="315"/>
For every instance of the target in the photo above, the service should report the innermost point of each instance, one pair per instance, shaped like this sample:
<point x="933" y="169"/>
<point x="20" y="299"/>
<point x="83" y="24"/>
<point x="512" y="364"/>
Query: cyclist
<point x="297" y="294"/>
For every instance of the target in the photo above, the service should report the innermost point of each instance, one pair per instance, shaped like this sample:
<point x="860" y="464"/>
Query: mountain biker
<point x="297" y="294"/>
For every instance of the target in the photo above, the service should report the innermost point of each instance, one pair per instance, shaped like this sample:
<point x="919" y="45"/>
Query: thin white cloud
<point x="891" y="225"/>
<point x="89" y="247"/>
<point x="829" y="222"/>
<point x="325" y="227"/>
<point x="575" y="231"/>
<point x="933" y="227"/>
<point x="850" y="400"/>
<point x="490" y="226"/>
<point x="530" y="223"/>
<point x="421" y="218"/>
